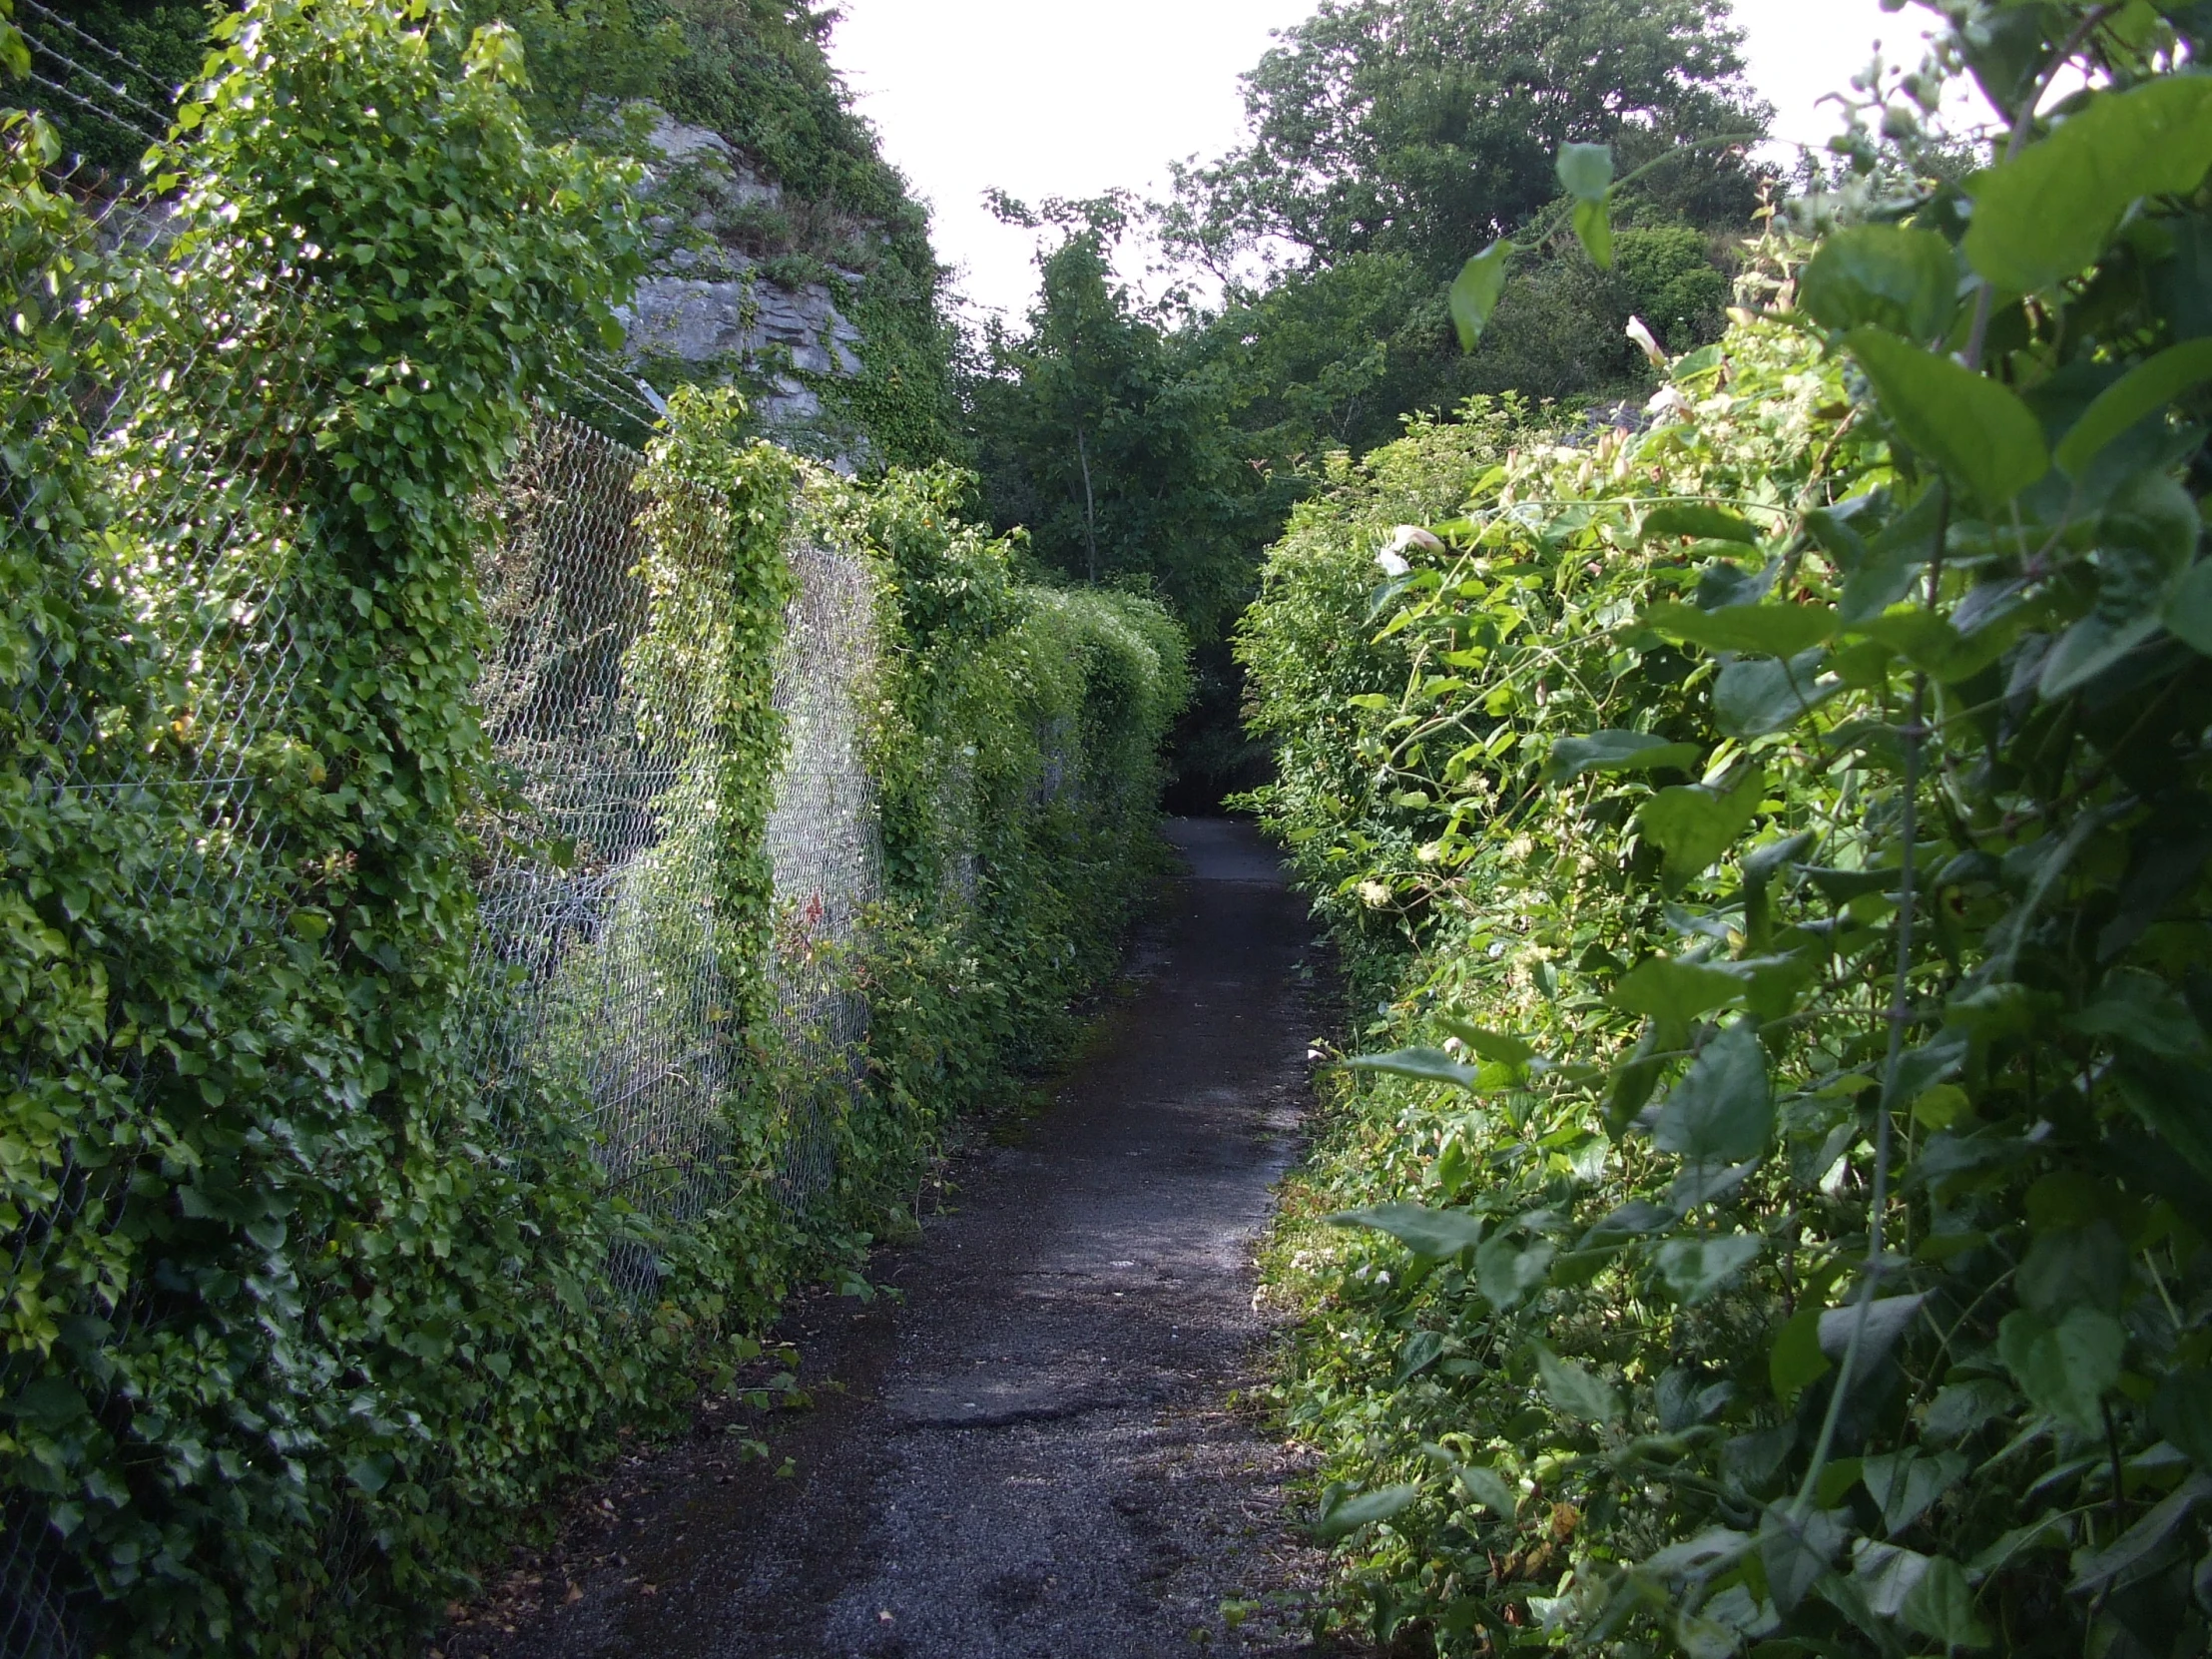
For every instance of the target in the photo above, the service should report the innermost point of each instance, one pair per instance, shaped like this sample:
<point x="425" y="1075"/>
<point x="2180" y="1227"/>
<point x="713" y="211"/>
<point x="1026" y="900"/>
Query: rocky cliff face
<point x="714" y="311"/>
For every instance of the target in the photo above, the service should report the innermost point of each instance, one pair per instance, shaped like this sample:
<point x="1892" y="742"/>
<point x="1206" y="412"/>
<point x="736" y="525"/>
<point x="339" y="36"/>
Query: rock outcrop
<point x="718" y="311"/>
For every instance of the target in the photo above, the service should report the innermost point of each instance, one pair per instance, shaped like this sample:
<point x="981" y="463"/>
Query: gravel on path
<point x="1036" y="1450"/>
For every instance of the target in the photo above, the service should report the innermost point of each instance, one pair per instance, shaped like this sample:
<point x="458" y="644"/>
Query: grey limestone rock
<point x="714" y="308"/>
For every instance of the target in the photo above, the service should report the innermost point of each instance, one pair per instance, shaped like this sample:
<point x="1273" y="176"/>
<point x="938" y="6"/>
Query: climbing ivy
<point x="1777" y="834"/>
<point x="716" y="522"/>
<point x="1016" y="742"/>
<point x="308" y="1307"/>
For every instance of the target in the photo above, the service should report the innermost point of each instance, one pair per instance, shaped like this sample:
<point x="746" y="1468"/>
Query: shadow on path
<point x="1034" y="1455"/>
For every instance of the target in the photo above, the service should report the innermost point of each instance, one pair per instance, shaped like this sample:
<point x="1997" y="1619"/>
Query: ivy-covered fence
<point x="482" y="909"/>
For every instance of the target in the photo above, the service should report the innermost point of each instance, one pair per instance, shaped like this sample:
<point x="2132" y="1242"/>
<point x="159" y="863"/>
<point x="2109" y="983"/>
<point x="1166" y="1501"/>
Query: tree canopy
<point x="1389" y="140"/>
<point x="1428" y="127"/>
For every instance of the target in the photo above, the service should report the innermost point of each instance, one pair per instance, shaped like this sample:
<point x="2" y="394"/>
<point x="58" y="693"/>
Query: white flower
<point x="1376" y="894"/>
<point x="1402" y="540"/>
<point x="1645" y="343"/>
<point x="1668" y="401"/>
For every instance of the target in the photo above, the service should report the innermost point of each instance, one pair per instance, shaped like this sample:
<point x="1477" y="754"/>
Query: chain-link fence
<point x="602" y="967"/>
<point x="603" y="973"/>
<point x="599" y="908"/>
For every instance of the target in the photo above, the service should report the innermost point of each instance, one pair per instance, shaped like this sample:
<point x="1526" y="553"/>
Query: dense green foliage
<point x="1164" y="444"/>
<point x="1100" y="435"/>
<point x="1424" y="127"/>
<point x="1776" y="839"/>
<point x="1390" y="136"/>
<point x="754" y="71"/>
<point x="1018" y="753"/>
<point x="305" y="1304"/>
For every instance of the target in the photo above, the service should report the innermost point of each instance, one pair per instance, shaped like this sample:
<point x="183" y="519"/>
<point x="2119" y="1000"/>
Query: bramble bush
<point x="303" y="1308"/>
<point x="1772" y="842"/>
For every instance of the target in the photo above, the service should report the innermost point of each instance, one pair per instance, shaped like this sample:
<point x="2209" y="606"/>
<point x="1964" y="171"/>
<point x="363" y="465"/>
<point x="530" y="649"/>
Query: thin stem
<point x="2119" y="1470"/>
<point x="1090" y="507"/>
<point x="1901" y="1014"/>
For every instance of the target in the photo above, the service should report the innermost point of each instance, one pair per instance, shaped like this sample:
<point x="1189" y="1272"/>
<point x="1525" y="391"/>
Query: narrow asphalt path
<point x="1034" y="1452"/>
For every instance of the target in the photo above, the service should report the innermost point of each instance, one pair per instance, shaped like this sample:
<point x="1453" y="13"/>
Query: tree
<point x="1104" y="431"/>
<point x="1094" y="435"/>
<point x="1428" y="127"/>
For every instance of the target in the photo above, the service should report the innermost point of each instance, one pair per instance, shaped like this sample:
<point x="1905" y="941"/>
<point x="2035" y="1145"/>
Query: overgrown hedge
<point x="1771" y="1216"/>
<point x="302" y="1312"/>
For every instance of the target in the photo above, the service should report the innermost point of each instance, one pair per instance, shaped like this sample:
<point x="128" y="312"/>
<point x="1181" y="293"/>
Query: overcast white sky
<point x="1051" y="98"/>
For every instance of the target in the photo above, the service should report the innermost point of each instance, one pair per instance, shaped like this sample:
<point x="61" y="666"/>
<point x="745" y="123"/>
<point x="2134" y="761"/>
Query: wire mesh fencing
<point x="602" y="947"/>
<point x="194" y="437"/>
<point x="603" y="975"/>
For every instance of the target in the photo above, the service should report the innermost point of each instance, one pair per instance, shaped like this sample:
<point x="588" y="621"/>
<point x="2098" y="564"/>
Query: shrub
<point x="1776" y="1223"/>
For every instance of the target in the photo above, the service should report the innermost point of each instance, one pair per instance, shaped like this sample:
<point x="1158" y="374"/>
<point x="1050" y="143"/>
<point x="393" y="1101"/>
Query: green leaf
<point x="1490" y="1045"/>
<point x="2188" y="610"/>
<point x="1721" y="1112"/>
<point x="1437" y="1235"/>
<point x="1940" y="1607"/>
<point x="1699" y="519"/>
<point x="1797" y="1552"/>
<point x="51" y="1402"/>
<point x="2182" y="1410"/>
<point x="1884" y="1575"/>
<point x="1702" y="1638"/>
<point x="2064" y="1369"/>
<point x="1961" y="1409"/>
<point x="1617" y="751"/>
<point x="1705" y="1556"/>
<point x="1974" y="430"/>
<point x="2174" y="1100"/>
<point x="1425" y="1065"/>
<point x="2048" y="1532"/>
<point x="2147" y="536"/>
<point x="2137" y="396"/>
<point x="1758" y="630"/>
<point x="2089" y="648"/>
<point x="1421" y="1350"/>
<point x="1765" y="693"/>
<point x="1474" y="295"/>
<point x="1574" y="1391"/>
<point x="1942" y="1107"/>
<point x="1879" y="1323"/>
<point x="1593" y="228"/>
<point x="1348" y="1515"/>
<point x="1927" y="1064"/>
<point x="1695" y="1268"/>
<point x="1906" y="1484"/>
<point x="1488" y="1488"/>
<point x="1675" y="991"/>
<point x="1695" y="823"/>
<point x="1795" y="1361"/>
<point x="1508" y="1271"/>
<point x="2047" y="215"/>
<point x="1905" y="281"/>
<point x="1586" y="171"/>
<point x="2141" y="1538"/>
<point x="371" y="1475"/>
<point x="2142" y="1009"/>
